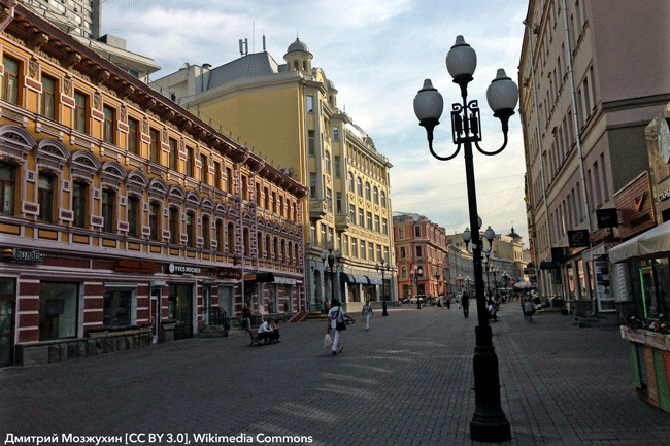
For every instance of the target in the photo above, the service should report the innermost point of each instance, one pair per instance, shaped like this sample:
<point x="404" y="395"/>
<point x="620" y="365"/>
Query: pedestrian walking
<point x="465" y="302"/>
<point x="246" y="317"/>
<point x="528" y="309"/>
<point x="336" y="317"/>
<point x="366" y="313"/>
<point x="447" y="301"/>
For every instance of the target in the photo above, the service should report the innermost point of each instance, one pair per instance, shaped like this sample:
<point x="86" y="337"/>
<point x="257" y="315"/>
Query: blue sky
<point x="378" y="55"/>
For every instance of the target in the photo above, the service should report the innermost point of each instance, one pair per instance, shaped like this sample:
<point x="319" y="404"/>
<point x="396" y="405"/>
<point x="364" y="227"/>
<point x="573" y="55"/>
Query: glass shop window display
<point x="58" y="310"/>
<point x="118" y="307"/>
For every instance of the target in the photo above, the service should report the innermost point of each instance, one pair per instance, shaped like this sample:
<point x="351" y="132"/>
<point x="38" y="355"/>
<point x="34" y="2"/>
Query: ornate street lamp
<point x="380" y="268"/>
<point x="417" y="272"/>
<point x="488" y="423"/>
<point x="333" y="260"/>
<point x="437" y="288"/>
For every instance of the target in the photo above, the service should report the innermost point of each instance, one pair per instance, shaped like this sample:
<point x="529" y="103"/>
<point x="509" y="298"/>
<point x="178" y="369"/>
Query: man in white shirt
<point x="265" y="331"/>
<point x="367" y="312"/>
<point x="336" y="312"/>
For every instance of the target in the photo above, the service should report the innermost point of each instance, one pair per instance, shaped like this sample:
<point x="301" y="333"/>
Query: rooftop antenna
<point x="264" y="48"/>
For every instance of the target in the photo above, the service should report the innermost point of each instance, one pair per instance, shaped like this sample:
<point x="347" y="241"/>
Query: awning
<point x="373" y="281"/>
<point x="651" y="244"/>
<point x="350" y="278"/>
<point x="259" y="277"/>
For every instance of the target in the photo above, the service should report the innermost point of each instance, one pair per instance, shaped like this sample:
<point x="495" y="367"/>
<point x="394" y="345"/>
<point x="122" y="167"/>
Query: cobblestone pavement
<point x="407" y="381"/>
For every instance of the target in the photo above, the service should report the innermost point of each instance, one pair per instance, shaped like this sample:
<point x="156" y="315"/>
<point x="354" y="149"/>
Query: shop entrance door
<point x="155" y="313"/>
<point x="6" y="330"/>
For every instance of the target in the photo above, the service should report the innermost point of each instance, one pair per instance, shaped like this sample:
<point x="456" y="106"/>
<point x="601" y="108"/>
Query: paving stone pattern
<point x="407" y="381"/>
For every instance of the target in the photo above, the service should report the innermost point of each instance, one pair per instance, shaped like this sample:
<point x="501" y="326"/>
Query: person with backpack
<point x="336" y="317"/>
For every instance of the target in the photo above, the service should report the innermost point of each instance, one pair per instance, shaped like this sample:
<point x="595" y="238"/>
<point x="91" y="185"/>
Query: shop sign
<point x="579" y="239"/>
<point x="178" y="269"/>
<point x="607" y="218"/>
<point x="665" y="195"/>
<point x="135" y="266"/>
<point x="26" y="256"/>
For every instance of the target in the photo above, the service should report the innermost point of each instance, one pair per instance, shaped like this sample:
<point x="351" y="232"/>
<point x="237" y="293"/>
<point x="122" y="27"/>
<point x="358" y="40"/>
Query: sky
<point x="377" y="53"/>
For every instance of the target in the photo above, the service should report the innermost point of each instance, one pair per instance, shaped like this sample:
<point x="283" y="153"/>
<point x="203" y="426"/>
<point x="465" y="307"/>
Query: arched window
<point x="359" y="182"/>
<point x="375" y="195"/>
<point x="383" y="199"/>
<point x="368" y="196"/>
<point x="352" y="183"/>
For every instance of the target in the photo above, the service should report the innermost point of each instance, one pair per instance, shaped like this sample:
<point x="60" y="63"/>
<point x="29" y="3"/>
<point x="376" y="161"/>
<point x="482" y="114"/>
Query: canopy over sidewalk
<point x="651" y="244"/>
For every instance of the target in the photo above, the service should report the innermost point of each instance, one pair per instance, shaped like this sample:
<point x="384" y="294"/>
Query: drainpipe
<point x="10" y="15"/>
<point x="576" y="126"/>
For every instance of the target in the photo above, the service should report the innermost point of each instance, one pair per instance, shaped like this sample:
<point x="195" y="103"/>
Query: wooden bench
<point x="255" y="339"/>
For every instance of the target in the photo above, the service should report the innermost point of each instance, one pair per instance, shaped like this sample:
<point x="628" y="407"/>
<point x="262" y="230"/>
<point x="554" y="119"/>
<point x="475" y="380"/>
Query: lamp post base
<point x="489" y="425"/>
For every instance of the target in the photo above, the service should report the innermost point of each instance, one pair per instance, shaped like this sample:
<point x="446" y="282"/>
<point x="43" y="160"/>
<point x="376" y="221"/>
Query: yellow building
<point x="288" y="114"/>
<point x="123" y="212"/>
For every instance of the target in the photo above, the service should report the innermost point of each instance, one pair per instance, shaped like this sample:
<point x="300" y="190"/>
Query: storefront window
<point x="654" y="282"/>
<point x="180" y="308"/>
<point x="58" y="310"/>
<point x="288" y="298"/>
<point x="118" y="307"/>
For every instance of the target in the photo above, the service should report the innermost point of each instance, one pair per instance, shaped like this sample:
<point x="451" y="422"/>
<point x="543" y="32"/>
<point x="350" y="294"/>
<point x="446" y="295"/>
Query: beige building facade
<point x="590" y="80"/>
<point x="288" y="114"/>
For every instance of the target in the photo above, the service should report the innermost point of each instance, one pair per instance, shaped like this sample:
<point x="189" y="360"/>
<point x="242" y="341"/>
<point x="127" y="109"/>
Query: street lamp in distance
<point x="331" y="260"/>
<point x="381" y="268"/>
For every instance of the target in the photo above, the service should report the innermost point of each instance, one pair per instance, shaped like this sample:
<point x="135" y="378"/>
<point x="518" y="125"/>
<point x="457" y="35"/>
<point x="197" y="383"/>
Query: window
<point x="402" y="252"/>
<point x="45" y="196"/>
<point x="10" y="80"/>
<point x="173" y="154"/>
<point x="363" y="251"/>
<point x="369" y="220"/>
<point x="58" y="310"/>
<point x="354" y="247"/>
<point x="203" y="168"/>
<point x="48" y="99"/>
<point x="229" y="180"/>
<point x="324" y="241"/>
<point x="154" y="147"/>
<point x="154" y="226"/>
<point x="352" y="183"/>
<point x="337" y="167"/>
<point x="133" y="125"/>
<point x="231" y="237"/>
<point x="361" y="217"/>
<point x="117" y="307"/>
<point x="217" y="175"/>
<point x="368" y="196"/>
<point x="329" y="199"/>
<point x="383" y="199"/>
<point x="371" y="251"/>
<point x="80" y="101"/>
<point x="338" y="203"/>
<point x="401" y="233"/>
<point x="108" y="210"/>
<point x="345" y="244"/>
<point x="377" y="226"/>
<point x="419" y="251"/>
<point x="352" y="213"/>
<point x="218" y="233"/>
<point x="336" y="133"/>
<point x="7" y="188"/>
<point x="108" y="125"/>
<point x="329" y="170"/>
<point x="79" y="193"/>
<point x="359" y="182"/>
<point x="189" y="161"/>
<point x="312" y="185"/>
<point x="417" y="231"/>
<point x="385" y="226"/>
<point x="190" y="229"/>
<point x="309" y="104"/>
<point x="310" y="143"/>
<point x="134" y="216"/>
<point x="379" y="252"/>
<point x="375" y="195"/>
<point x="174" y="215"/>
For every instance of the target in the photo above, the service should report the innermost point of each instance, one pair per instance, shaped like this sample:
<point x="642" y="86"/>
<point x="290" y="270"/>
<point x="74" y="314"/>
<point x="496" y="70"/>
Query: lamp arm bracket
<point x="495" y="152"/>
<point x="440" y="158"/>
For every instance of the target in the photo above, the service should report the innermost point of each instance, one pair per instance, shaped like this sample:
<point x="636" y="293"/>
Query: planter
<point x="634" y="336"/>
<point x="97" y="334"/>
<point x="656" y="340"/>
<point x="169" y="326"/>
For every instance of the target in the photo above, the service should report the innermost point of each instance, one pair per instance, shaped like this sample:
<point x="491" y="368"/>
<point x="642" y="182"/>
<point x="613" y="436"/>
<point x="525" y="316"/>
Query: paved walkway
<point x="405" y="382"/>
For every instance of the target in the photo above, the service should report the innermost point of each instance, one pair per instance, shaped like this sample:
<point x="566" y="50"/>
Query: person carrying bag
<point x="336" y="317"/>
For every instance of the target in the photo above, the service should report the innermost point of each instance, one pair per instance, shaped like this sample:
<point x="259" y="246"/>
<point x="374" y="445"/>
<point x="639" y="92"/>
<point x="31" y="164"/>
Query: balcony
<point x="317" y="208"/>
<point x="342" y="222"/>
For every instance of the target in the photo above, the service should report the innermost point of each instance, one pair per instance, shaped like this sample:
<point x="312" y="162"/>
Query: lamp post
<point x="333" y="260"/>
<point x="488" y="423"/>
<point x="437" y="285"/>
<point x="380" y="268"/>
<point x="505" y="281"/>
<point x="487" y="268"/>
<point x="418" y="271"/>
<point x="494" y="270"/>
